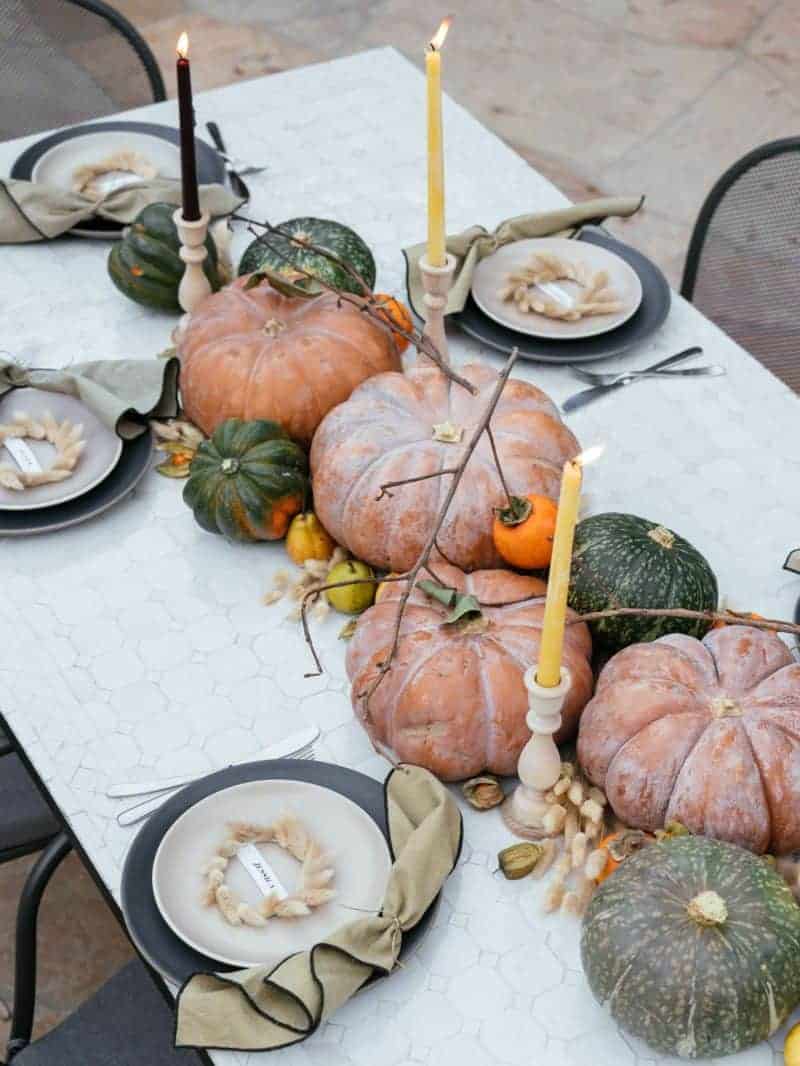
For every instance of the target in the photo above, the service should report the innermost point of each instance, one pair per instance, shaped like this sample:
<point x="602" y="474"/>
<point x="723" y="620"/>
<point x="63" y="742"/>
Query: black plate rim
<point x="136" y="888"/>
<point x="210" y="166"/>
<point x="133" y="464"/>
<point x="654" y="287"/>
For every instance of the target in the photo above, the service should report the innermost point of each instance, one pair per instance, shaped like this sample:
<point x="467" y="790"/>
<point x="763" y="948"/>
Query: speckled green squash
<point x="145" y="264"/>
<point x="689" y="976"/>
<point x="248" y="481"/>
<point x="279" y="254"/>
<point x="619" y="560"/>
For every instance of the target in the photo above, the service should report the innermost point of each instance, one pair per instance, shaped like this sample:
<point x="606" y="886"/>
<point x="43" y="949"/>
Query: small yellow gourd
<point x="791" y="1046"/>
<point x="308" y="539"/>
<point x="351" y="599"/>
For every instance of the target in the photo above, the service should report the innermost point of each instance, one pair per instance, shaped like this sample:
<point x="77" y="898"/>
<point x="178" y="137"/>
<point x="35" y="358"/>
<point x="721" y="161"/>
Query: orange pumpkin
<point x="396" y="313"/>
<point x="523" y="531"/>
<point x="453" y="699"/>
<point x="398" y="426"/>
<point x="253" y="353"/>
<point x="705" y="733"/>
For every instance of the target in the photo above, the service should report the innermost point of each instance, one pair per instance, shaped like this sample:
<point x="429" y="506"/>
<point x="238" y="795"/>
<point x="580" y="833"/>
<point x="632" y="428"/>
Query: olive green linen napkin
<point x="32" y="211"/>
<point x="473" y="244"/>
<point x="123" y="393"/>
<point x="260" y="1010"/>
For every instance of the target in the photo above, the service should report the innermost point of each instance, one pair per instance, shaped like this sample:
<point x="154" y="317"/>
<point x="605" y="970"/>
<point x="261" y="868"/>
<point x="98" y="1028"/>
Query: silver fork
<point x="593" y="377"/>
<point x="298" y="746"/>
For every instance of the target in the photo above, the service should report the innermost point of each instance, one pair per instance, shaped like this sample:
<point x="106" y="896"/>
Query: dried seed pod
<point x="553" y="821"/>
<point x="549" y="852"/>
<point x="483" y="792"/>
<point x="518" y="860"/>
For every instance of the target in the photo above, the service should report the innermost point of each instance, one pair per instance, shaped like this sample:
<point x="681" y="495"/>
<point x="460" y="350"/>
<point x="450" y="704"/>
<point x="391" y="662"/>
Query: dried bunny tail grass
<point x="595" y="863"/>
<point x="65" y="438"/>
<point x="287" y="832"/>
<point x="597" y="297"/>
<point x="546" y="859"/>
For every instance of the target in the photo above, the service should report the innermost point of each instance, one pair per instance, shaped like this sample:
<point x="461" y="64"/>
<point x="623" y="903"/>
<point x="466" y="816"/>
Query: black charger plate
<point x="134" y="462"/>
<point x="165" y="951"/>
<point x="210" y="167"/>
<point x="652" y="311"/>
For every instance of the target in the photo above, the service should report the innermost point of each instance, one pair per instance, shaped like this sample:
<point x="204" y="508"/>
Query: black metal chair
<point x="69" y="61"/>
<point x="743" y="263"/>
<point x="26" y="822"/>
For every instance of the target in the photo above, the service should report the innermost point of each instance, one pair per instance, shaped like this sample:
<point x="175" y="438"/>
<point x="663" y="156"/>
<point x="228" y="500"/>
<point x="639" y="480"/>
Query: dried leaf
<point x="286" y="285"/>
<point x="460" y="603"/>
<point x="348" y="629"/>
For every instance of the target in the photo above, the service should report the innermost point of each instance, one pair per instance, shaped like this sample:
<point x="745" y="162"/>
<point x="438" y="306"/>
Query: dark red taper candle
<point x="191" y="200"/>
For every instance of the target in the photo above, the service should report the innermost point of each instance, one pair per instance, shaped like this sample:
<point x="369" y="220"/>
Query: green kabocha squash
<point x="619" y="560"/>
<point x="248" y="481"/>
<point x="145" y="263"/>
<point x="277" y="253"/>
<point x="694" y="946"/>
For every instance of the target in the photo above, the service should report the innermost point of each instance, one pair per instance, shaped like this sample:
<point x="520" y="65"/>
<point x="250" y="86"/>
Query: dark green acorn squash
<point x="277" y="253"/>
<point x="145" y="264"/>
<point x="248" y="481"/>
<point x="694" y="946"/>
<point x="619" y="560"/>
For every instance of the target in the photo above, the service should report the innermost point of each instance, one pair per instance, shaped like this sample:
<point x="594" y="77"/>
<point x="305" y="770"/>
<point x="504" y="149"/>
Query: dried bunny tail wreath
<point x="314" y="885"/>
<point x="597" y="297"/>
<point x="65" y="438"/>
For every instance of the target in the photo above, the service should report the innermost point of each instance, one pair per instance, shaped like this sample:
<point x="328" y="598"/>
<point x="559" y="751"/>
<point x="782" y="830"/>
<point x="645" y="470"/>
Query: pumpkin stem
<point x="518" y="511"/>
<point x="229" y="465"/>
<point x="708" y="909"/>
<point x="662" y="536"/>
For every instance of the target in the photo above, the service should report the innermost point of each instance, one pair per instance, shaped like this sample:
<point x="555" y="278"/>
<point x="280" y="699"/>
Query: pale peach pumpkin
<point x="396" y="426"/>
<point x="256" y="354"/>
<point x="706" y="733"/>
<point x="453" y="700"/>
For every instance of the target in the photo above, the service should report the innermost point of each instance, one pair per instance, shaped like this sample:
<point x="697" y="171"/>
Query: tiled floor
<point x="612" y="96"/>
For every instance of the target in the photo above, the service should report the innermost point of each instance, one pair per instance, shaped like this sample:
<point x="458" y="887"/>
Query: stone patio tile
<point x="662" y="239"/>
<point x="704" y="23"/>
<point x="744" y="108"/>
<point x="221" y="52"/>
<point x="776" y="45"/>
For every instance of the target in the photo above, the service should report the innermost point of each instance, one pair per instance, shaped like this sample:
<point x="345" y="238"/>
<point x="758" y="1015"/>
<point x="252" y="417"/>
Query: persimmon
<point x="618" y="846"/>
<point x="523" y="531"/>
<point x="397" y="314"/>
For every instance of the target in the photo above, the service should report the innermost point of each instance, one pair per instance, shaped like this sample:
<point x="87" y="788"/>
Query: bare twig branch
<point x="500" y="473"/>
<point x="410" y="480"/>
<point x="731" y="618"/>
<point x="367" y="302"/>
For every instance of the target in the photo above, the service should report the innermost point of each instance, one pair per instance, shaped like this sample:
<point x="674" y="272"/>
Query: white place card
<point x="22" y="454"/>
<point x="261" y="871"/>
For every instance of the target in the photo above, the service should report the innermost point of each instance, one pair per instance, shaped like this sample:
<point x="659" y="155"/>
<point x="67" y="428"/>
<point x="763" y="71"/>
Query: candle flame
<point x="182" y="47"/>
<point x="437" y="40"/>
<point x="589" y="455"/>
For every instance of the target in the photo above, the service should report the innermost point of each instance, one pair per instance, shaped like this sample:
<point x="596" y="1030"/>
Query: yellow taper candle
<point x="548" y="671"/>
<point x="433" y="72"/>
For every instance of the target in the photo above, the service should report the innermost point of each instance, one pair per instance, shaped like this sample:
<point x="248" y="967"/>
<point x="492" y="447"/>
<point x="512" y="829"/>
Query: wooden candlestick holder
<point x="436" y="280"/>
<point x="194" y="286"/>
<point x="539" y="766"/>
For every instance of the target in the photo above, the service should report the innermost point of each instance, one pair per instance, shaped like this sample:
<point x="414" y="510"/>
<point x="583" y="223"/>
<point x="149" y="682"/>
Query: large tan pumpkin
<point x="453" y="700"/>
<point x="385" y="432"/>
<point x="706" y="733"/>
<point x="256" y="354"/>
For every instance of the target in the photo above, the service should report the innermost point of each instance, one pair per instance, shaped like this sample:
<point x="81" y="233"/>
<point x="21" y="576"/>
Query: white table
<point x="136" y="645"/>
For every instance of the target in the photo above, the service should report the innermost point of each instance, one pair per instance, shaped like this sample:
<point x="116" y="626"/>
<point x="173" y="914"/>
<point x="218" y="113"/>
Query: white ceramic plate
<point x="101" y="451"/>
<point x="360" y="857"/>
<point x="59" y="163"/>
<point x="491" y="272"/>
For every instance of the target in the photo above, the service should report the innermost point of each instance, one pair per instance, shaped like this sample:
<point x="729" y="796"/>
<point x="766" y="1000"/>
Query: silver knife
<point x="587" y="396"/>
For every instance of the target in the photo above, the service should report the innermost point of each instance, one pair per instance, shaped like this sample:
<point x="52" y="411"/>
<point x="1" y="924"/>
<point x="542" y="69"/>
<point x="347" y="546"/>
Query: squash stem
<point x="708" y="909"/>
